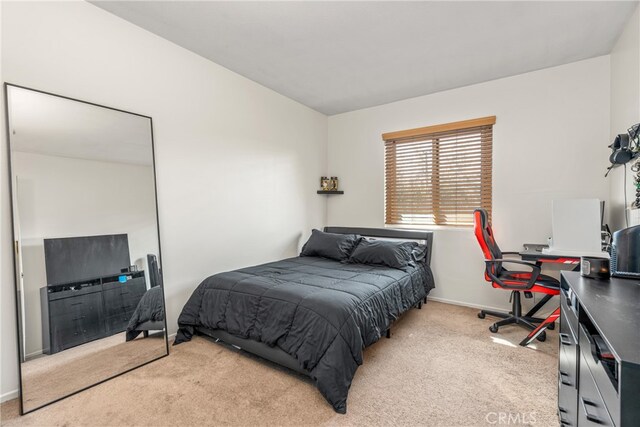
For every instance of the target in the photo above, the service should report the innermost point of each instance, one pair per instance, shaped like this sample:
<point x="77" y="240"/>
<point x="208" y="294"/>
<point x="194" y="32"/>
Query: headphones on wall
<point x="625" y="147"/>
<point x="621" y="153"/>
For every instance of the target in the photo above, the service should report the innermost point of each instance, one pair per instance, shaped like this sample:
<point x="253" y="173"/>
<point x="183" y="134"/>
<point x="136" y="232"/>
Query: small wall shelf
<point x="331" y="192"/>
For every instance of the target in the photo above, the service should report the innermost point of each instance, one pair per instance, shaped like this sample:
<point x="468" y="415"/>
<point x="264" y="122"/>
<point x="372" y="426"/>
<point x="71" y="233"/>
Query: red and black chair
<point x="526" y="282"/>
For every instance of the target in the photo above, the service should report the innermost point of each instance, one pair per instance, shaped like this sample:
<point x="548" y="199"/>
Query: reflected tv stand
<point x="75" y="313"/>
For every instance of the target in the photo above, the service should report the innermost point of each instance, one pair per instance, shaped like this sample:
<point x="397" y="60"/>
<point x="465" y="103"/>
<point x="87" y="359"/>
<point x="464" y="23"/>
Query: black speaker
<point x="594" y="267"/>
<point x="625" y="256"/>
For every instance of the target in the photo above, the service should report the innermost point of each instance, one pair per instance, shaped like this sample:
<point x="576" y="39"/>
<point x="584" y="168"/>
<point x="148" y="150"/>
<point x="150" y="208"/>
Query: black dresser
<point x="599" y="366"/>
<point x="78" y="312"/>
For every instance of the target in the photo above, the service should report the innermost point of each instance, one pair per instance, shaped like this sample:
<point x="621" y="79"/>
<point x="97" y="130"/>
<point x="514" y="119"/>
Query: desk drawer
<point x="567" y="310"/>
<point x="116" y="303"/>
<point x="123" y="299"/>
<point x="591" y="408"/>
<point x="118" y="323"/>
<point x="567" y="392"/>
<point x="599" y="373"/>
<point x="79" y="305"/>
<point x="568" y="339"/>
<point x="69" y="330"/>
<point x="568" y="365"/>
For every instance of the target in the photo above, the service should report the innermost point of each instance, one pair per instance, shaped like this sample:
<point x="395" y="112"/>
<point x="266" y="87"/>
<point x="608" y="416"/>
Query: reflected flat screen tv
<point x="73" y="259"/>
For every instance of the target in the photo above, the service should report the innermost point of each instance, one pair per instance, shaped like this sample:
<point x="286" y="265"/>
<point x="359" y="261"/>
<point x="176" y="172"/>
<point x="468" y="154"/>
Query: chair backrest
<point x="154" y="271"/>
<point x="484" y="234"/>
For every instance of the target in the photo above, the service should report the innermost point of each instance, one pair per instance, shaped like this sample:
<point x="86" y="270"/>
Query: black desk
<point x="599" y="317"/>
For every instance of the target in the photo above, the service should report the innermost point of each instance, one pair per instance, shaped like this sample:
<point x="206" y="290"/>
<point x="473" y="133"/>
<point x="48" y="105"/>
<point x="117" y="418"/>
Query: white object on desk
<point x="576" y="225"/>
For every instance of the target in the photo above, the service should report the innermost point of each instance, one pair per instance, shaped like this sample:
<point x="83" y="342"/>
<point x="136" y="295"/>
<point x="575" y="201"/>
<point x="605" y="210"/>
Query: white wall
<point x="8" y="354"/>
<point x="68" y="197"/>
<point x="237" y="164"/>
<point x="625" y="111"/>
<point x="550" y="142"/>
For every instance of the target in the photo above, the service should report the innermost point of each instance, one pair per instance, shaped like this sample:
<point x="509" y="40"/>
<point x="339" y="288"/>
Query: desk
<point x="533" y="252"/>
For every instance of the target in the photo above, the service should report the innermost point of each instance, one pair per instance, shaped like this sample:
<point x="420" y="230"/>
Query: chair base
<point x="528" y="320"/>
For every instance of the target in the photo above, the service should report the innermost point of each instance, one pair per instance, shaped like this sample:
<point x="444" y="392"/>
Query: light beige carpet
<point x="50" y="377"/>
<point x="442" y="367"/>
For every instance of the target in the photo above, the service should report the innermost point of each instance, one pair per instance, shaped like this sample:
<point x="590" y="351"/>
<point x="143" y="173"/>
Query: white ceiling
<point x="51" y="125"/>
<point x="346" y="55"/>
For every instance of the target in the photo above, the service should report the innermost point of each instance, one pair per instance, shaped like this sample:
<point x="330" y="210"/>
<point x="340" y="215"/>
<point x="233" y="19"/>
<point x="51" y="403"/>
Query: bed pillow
<point x="384" y="252"/>
<point x="419" y="253"/>
<point x="330" y="245"/>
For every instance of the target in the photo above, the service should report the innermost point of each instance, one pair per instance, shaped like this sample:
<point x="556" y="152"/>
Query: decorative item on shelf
<point x="329" y="185"/>
<point x="333" y="183"/>
<point x="325" y="183"/>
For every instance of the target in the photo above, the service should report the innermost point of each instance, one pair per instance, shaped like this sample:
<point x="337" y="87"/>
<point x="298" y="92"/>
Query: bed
<point x="313" y="315"/>
<point x="148" y="315"/>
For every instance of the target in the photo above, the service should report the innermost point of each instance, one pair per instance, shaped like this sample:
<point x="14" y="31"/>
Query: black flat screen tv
<point x="73" y="259"/>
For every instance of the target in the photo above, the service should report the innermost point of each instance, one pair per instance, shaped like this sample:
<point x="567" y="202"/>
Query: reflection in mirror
<point x="87" y="252"/>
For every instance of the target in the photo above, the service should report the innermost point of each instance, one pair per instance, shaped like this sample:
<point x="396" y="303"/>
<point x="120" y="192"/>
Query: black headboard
<point x="388" y="233"/>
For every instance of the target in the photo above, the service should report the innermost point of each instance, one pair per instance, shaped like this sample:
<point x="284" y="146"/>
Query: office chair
<point x="514" y="281"/>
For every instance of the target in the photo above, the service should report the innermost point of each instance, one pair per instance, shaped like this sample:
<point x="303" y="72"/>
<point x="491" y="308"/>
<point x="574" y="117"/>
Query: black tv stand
<point x="75" y="313"/>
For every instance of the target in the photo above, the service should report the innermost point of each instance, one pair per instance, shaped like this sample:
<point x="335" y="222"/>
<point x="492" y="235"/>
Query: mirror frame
<point x="19" y="326"/>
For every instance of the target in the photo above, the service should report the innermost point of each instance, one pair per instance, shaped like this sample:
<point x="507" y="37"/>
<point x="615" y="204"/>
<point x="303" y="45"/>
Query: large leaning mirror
<point x="89" y="291"/>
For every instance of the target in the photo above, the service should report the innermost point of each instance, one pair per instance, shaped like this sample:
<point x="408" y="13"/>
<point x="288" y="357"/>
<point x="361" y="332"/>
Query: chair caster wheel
<point x="542" y="337"/>
<point x="493" y="328"/>
<point x="551" y="326"/>
<point x="481" y="315"/>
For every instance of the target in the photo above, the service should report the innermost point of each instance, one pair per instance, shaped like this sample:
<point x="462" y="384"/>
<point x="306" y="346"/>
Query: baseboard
<point x="10" y="395"/>
<point x="34" y="354"/>
<point x="465" y="304"/>
<point x="542" y="313"/>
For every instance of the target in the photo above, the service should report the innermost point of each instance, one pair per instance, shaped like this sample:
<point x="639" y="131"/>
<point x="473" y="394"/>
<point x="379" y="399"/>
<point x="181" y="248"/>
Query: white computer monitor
<point x="576" y="226"/>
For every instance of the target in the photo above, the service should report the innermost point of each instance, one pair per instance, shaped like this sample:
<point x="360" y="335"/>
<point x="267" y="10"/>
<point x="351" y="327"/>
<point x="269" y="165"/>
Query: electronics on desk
<point x="537" y="247"/>
<point x="595" y="268"/>
<point x="625" y="252"/>
<point x="576" y="226"/>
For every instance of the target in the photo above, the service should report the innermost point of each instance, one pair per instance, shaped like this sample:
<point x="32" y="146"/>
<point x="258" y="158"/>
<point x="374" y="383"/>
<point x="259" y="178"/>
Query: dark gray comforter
<point x="150" y="308"/>
<point x="321" y="312"/>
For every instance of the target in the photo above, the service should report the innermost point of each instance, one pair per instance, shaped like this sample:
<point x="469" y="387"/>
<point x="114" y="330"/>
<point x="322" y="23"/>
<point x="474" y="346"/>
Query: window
<point x="438" y="175"/>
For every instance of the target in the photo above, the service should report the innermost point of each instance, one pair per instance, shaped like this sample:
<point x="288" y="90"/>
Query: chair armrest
<point x="535" y="272"/>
